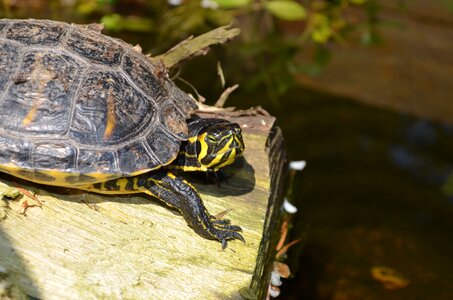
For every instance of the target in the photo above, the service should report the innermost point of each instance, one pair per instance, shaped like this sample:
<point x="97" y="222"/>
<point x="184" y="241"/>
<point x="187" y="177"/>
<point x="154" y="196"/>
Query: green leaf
<point x="322" y="34"/>
<point x="358" y="2"/>
<point x="116" y="22"/>
<point x="232" y="3"/>
<point x="449" y="4"/>
<point x="112" y="22"/>
<point x="286" y="10"/>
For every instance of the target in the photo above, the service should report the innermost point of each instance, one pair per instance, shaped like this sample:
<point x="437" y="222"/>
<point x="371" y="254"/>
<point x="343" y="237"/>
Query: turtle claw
<point x="224" y="244"/>
<point x="224" y="232"/>
<point x="233" y="235"/>
<point x="234" y="228"/>
<point x="238" y="237"/>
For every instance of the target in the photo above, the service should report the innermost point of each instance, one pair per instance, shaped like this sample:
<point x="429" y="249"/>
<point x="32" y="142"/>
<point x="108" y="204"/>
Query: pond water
<point x="373" y="195"/>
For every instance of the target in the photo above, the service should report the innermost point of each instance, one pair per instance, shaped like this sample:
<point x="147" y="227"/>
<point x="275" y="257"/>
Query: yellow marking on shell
<point x="31" y="115"/>
<point x="41" y="75"/>
<point x="111" y="118"/>
<point x="10" y="167"/>
<point x="99" y="177"/>
<point x="60" y="180"/>
<point x="59" y="176"/>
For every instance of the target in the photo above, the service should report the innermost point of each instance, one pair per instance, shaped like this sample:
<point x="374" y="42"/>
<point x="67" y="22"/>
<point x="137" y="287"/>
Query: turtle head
<point x="214" y="143"/>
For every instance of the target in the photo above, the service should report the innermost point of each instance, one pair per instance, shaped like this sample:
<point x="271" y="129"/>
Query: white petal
<point x="174" y="2"/>
<point x="297" y="165"/>
<point x="275" y="279"/>
<point x="209" y="4"/>
<point x="274" y="291"/>
<point x="288" y="207"/>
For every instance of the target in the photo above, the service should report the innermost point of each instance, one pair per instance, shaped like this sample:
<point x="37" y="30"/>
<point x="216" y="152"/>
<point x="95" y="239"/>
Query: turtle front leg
<point x="178" y="193"/>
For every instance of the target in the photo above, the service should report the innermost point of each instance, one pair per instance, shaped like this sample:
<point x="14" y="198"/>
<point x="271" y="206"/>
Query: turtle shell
<point x="76" y="102"/>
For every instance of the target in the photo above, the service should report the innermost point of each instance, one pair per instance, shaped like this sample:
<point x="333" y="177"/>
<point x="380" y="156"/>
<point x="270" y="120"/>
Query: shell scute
<point x="135" y="157"/>
<point x="96" y="161"/>
<point x="142" y="74"/>
<point x="15" y="151"/>
<point x="36" y="32"/>
<point x="174" y="122"/>
<point x="108" y="110"/>
<point x="94" y="47"/>
<point x="184" y="102"/>
<point x="40" y="94"/>
<point x="54" y="156"/>
<point x="9" y="58"/>
<point x="163" y="146"/>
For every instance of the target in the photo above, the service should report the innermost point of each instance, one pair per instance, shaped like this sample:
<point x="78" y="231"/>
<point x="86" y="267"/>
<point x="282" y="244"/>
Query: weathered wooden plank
<point x="134" y="247"/>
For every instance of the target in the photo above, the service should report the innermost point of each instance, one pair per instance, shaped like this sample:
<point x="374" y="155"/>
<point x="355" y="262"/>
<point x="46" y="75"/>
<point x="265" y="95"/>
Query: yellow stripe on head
<point x="203" y="146"/>
<point x="231" y="158"/>
<point x="220" y="154"/>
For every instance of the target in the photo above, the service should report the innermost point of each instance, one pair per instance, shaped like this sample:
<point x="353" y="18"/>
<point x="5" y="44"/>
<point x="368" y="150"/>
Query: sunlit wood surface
<point x="87" y="246"/>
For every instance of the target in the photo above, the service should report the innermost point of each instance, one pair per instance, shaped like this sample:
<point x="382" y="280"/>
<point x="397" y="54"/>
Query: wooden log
<point x="88" y="246"/>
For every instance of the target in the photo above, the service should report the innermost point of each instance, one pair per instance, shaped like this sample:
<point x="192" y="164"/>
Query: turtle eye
<point x="212" y="138"/>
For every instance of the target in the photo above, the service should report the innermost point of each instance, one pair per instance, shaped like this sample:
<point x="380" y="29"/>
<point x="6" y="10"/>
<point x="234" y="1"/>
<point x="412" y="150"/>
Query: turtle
<point x="83" y="110"/>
